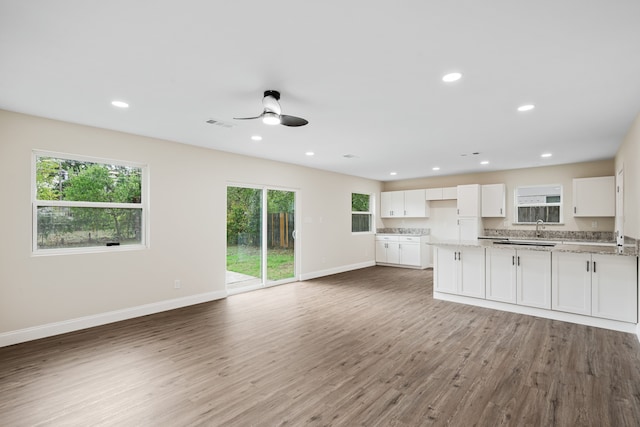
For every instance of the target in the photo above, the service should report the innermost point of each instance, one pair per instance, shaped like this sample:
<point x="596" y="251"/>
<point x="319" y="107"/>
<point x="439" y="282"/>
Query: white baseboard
<point x="540" y="312"/>
<point x="56" y="328"/>
<point x="336" y="270"/>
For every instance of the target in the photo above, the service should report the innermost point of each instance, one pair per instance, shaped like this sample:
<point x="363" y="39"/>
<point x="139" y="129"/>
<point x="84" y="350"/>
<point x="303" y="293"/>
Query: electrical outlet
<point x="177" y="284"/>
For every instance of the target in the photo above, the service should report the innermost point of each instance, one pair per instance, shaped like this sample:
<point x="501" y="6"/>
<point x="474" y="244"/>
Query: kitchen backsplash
<point x="414" y="231"/>
<point x="585" y="236"/>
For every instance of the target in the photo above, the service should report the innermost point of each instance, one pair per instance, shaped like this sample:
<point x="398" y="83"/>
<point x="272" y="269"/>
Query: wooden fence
<point x="280" y="226"/>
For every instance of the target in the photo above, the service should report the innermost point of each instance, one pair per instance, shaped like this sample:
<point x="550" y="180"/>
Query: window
<point x="361" y="216"/>
<point x="534" y="203"/>
<point x="82" y="204"/>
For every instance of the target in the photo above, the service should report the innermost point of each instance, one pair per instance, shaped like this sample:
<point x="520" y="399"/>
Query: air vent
<point x="349" y="156"/>
<point x="219" y="123"/>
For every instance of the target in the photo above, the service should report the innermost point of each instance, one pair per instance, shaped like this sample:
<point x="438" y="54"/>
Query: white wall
<point x="628" y="158"/>
<point x="187" y="221"/>
<point x="562" y="174"/>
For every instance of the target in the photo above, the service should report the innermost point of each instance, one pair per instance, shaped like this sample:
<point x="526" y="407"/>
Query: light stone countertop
<point x="559" y="247"/>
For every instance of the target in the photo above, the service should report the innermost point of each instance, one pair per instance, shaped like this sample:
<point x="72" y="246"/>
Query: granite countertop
<point x="559" y="247"/>
<point x="403" y="232"/>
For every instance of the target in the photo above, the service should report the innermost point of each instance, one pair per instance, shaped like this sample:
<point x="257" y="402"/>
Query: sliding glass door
<point x="280" y="235"/>
<point x="260" y="237"/>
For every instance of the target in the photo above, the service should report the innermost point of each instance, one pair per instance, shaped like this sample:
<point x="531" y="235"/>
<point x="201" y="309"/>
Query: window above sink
<point x="538" y="202"/>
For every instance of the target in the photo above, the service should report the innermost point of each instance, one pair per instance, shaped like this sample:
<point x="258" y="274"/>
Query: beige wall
<point x="628" y="159"/>
<point x="563" y="174"/>
<point x="187" y="224"/>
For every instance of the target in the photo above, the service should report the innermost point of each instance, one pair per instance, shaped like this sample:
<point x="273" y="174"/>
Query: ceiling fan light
<point x="269" y="118"/>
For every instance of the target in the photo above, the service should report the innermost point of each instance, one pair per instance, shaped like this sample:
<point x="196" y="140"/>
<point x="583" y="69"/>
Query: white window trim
<point x="559" y="204"/>
<point x="370" y="212"/>
<point x="35" y="204"/>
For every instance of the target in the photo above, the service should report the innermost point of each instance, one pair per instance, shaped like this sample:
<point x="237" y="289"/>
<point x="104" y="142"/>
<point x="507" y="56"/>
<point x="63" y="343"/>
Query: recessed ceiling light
<point x="546" y="155"/>
<point x="484" y="162"/>
<point x="526" y="107"/>
<point x="393" y="173"/>
<point x="256" y="138"/>
<point x="120" y="104"/>
<point x="309" y="153"/>
<point x="436" y="168"/>
<point x="451" y="77"/>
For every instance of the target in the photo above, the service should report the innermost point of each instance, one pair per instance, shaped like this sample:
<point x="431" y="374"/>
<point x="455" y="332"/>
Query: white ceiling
<point x="366" y="74"/>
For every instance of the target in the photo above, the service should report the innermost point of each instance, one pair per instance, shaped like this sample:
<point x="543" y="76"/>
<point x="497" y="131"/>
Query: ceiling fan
<point x="272" y="114"/>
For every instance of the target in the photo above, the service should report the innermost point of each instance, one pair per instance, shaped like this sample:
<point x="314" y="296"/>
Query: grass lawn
<point x="246" y="260"/>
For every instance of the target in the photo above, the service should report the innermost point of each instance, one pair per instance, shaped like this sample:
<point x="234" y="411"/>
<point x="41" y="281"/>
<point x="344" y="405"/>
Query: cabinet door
<point x="415" y="204"/>
<point x="469" y="200"/>
<point x="493" y="200"/>
<point x="471" y="279"/>
<point x="534" y="278"/>
<point x="410" y="254"/>
<point x="449" y="193"/>
<point x="571" y="282"/>
<point x="594" y="197"/>
<point x="393" y="252"/>
<point x="501" y="275"/>
<point x="391" y="204"/>
<point x="614" y="287"/>
<point x="445" y="272"/>
<point x="381" y="251"/>
<point x="433" y="194"/>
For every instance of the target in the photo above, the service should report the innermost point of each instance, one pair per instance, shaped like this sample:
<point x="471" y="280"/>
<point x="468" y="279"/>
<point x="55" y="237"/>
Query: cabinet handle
<point x="594" y="266"/>
<point x="518" y="261"/>
<point x="575" y="209"/>
<point x="459" y="256"/>
<point x="587" y="265"/>
<point x="405" y="213"/>
<point x="458" y="211"/>
<point x="513" y="260"/>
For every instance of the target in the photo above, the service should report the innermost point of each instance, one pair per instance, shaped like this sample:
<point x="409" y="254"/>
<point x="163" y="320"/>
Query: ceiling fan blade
<point x="247" y="118"/>
<point x="292" y="121"/>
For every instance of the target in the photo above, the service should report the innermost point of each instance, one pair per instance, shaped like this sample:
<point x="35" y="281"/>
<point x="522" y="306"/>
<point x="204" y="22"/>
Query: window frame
<point x="559" y="204"/>
<point x="36" y="203"/>
<point x="370" y="213"/>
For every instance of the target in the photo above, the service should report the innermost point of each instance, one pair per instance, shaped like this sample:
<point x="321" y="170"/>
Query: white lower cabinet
<point x="519" y="277"/>
<point x="614" y="287"/>
<point x="597" y="285"/>
<point x="409" y="251"/>
<point x="571" y="283"/>
<point x="460" y="270"/>
<point x="387" y="251"/>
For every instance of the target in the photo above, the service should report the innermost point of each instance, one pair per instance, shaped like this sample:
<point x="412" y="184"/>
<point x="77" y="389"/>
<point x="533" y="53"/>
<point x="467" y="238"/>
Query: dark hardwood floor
<point x="369" y="347"/>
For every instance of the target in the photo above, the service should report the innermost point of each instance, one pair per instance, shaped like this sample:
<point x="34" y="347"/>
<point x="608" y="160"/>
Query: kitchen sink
<point x="523" y="243"/>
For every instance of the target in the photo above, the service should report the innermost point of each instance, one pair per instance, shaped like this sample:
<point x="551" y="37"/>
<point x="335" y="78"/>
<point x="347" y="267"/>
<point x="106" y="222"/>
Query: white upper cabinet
<point x="594" y="197"/>
<point x="469" y="200"/>
<point x="403" y="204"/>
<point x="415" y="204"/>
<point x="433" y="194"/>
<point x="392" y="204"/>
<point x="493" y="201"/>
<point x="446" y="193"/>
<point x="449" y="193"/>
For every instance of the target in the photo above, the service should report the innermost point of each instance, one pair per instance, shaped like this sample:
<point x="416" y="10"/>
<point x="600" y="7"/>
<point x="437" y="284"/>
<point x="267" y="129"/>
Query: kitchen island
<point x="591" y="284"/>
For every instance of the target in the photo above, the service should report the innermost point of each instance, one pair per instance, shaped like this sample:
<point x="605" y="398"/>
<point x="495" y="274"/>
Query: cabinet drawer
<point x="414" y="239"/>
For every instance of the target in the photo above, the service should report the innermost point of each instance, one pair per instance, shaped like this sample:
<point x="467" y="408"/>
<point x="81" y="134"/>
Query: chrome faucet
<point x="538" y="224"/>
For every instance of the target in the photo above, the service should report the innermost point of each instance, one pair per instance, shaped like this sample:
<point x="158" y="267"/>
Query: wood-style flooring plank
<point x="364" y="348"/>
